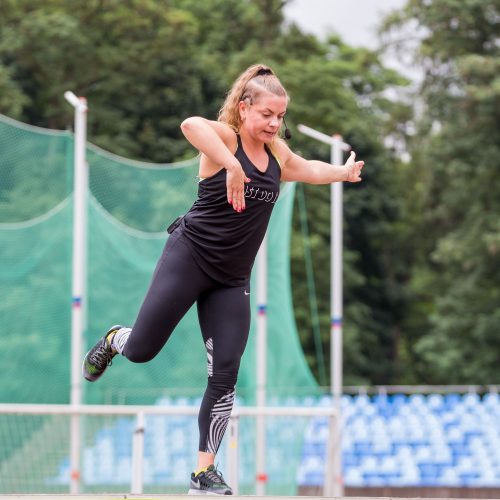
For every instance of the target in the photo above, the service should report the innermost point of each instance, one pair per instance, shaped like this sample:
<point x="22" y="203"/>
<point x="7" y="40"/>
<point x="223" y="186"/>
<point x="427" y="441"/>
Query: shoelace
<point x="215" y="476"/>
<point x="101" y="357"/>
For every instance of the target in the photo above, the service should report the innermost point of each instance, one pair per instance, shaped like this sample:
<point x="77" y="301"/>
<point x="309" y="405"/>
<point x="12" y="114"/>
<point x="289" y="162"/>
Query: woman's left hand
<point x="353" y="168"/>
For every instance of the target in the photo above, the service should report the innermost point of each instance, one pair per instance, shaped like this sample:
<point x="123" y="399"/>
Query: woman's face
<point x="262" y="119"/>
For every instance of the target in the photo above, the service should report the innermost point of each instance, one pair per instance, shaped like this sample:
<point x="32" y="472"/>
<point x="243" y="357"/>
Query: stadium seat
<point x="450" y="400"/>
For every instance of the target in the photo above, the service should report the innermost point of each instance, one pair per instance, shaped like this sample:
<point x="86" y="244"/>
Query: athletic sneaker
<point x="209" y="482"/>
<point x="100" y="356"/>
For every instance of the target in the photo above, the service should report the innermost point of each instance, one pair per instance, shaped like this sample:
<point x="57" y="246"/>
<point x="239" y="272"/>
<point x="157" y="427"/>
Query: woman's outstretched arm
<point x="296" y="168"/>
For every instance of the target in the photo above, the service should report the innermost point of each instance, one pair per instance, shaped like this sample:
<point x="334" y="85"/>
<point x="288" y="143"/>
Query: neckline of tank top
<point x="269" y="156"/>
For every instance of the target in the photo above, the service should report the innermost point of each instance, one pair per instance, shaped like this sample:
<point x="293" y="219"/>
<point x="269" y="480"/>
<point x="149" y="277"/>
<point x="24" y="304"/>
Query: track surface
<point x="173" y="497"/>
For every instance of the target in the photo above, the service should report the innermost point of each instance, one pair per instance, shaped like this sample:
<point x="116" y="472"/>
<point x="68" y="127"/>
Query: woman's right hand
<point x="235" y="182"/>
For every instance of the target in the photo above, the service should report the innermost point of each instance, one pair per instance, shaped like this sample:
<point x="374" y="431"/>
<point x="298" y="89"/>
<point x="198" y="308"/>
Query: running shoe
<point x="100" y="356"/>
<point x="209" y="482"/>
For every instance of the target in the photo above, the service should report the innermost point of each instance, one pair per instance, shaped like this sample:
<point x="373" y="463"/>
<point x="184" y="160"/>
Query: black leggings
<point x="224" y="316"/>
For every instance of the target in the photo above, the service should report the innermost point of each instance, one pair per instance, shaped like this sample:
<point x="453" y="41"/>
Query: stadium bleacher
<point x="450" y="440"/>
<point x="397" y="440"/>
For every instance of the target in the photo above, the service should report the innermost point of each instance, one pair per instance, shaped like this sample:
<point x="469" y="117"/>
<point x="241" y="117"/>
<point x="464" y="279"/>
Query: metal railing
<point x="140" y="412"/>
<point x="419" y="389"/>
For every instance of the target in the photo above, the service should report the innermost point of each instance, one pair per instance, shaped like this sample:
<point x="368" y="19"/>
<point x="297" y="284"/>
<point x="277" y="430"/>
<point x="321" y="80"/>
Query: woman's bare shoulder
<point x="226" y="133"/>
<point x="280" y="149"/>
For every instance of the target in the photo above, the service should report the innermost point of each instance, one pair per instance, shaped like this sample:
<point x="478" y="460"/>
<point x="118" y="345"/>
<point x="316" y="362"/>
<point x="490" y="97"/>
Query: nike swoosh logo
<point x="247" y="293"/>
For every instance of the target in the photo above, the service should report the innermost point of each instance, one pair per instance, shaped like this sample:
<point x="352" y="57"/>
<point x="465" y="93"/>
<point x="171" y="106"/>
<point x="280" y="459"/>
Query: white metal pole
<point x="336" y="280"/>
<point x="240" y="411"/>
<point x="138" y="455"/>
<point x="336" y="307"/>
<point x="78" y="278"/>
<point x="260" y="445"/>
<point x="337" y="146"/>
<point x="233" y="452"/>
<point x="329" y="487"/>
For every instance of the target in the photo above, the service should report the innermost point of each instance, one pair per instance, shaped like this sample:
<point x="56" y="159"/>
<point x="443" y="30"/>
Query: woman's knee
<point x="138" y="354"/>
<point x="223" y="381"/>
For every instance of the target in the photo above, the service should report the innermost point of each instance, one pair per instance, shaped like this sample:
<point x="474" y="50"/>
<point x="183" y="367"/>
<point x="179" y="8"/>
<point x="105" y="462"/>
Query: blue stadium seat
<point x="449" y="477"/>
<point x="350" y="460"/>
<point x="429" y="473"/>
<point x="471" y="400"/>
<point x="363" y="448"/>
<point x="373" y="479"/>
<point x="353" y="477"/>
<point x="417" y="401"/>
<point x="398" y="400"/>
<point x="389" y="465"/>
<point x="450" y="400"/>
<point x="491" y="399"/>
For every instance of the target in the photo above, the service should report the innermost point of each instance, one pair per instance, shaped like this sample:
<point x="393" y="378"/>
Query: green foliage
<point x="134" y="61"/>
<point x="453" y="194"/>
<point x="12" y="100"/>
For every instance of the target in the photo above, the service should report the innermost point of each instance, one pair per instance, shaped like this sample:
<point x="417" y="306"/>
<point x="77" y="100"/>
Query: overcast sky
<point x="355" y="20"/>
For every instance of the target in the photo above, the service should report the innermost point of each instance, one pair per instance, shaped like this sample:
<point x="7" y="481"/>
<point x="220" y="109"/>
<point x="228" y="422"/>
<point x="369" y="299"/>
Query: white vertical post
<point x="337" y="146"/>
<point x="79" y="274"/>
<point x="336" y="307"/>
<point x="260" y="445"/>
<point x="138" y="455"/>
<point x="232" y="453"/>
<point x="329" y="488"/>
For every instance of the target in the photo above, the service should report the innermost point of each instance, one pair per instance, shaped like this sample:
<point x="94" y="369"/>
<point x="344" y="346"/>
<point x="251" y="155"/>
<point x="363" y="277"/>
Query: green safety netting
<point x="130" y="204"/>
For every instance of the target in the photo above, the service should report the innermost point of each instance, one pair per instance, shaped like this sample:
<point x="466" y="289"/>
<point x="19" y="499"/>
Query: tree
<point x="454" y="193"/>
<point x="133" y="61"/>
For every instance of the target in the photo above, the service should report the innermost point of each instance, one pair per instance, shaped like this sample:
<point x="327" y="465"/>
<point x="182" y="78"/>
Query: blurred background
<point x="411" y="85"/>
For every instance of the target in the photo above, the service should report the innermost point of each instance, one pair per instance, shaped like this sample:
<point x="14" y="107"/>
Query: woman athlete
<point x="210" y="252"/>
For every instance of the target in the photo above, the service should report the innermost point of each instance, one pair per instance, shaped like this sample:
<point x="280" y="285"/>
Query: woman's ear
<point x="242" y="108"/>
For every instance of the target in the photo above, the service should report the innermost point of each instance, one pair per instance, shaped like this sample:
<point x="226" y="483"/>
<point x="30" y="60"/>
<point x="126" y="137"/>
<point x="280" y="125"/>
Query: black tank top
<point x="223" y="241"/>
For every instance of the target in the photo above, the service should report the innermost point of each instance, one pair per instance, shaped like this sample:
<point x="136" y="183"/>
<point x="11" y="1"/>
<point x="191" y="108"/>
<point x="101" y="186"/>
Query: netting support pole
<point x="337" y="147"/>
<point x="261" y="361"/>
<point x="329" y="488"/>
<point x="336" y="308"/>
<point x="78" y="279"/>
<point x="233" y="454"/>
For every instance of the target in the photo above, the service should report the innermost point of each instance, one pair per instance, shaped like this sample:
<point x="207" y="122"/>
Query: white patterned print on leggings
<point x="210" y="356"/>
<point x="219" y="418"/>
